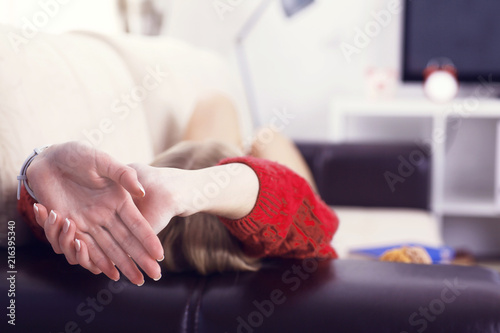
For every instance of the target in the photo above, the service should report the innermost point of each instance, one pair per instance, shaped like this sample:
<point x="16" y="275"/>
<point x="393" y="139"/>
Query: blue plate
<point x="439" y="255"/>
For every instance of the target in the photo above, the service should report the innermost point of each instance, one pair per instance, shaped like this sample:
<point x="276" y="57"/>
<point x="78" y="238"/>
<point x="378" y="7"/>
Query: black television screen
<point x="465" y="31"/>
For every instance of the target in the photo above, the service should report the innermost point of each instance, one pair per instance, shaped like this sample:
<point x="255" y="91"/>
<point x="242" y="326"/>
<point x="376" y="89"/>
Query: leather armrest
<point x="370" y="175"/>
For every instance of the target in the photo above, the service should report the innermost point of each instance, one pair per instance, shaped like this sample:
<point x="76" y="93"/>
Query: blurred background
<point x="319" y="60"/>
<point x="286" y="55"/>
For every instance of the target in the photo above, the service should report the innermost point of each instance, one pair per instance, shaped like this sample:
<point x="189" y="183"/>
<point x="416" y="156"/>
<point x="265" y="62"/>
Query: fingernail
<point x="159" y="277"/>
<point x="66" y="225"/>
<point x="35" y="208"/>
<point x="78" y="245"/>
<point x="162" y="258"/>
<point x="52" y="217"/>
<point x="141" y="284"/>
<point x="142" y="189"/>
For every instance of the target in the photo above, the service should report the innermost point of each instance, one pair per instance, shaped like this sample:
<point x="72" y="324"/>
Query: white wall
<point x="63" y="15"/>
<point x="296" y="63"/>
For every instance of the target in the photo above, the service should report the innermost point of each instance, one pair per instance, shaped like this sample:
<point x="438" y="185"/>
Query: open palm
<point x="95" y="191"/>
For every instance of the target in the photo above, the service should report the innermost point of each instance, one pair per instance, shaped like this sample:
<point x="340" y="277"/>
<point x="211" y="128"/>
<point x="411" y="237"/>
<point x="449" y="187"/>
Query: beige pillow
<point x="61" y="88"/>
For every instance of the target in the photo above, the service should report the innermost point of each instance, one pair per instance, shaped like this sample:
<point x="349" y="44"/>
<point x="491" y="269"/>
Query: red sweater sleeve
<point x="288" y="220"/>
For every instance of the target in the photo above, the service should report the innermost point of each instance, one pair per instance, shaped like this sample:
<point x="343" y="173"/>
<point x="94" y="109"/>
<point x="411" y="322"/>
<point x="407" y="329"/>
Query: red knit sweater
<point x="289" y="220"/>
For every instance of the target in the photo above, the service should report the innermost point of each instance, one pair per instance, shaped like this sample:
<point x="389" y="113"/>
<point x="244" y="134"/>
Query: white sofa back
<point x="129" y="96"/>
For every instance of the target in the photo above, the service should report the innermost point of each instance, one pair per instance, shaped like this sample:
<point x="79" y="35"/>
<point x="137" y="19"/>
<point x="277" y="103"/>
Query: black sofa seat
<point x="285" y="296"/>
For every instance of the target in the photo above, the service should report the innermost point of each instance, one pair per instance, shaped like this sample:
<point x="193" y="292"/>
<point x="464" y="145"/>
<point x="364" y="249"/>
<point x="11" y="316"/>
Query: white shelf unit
<point x="470" y="162"/>
<point x="464" y="137"/>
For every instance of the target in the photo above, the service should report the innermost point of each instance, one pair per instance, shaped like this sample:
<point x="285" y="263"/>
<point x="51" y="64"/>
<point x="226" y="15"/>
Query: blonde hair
<point x="200" y="242"/>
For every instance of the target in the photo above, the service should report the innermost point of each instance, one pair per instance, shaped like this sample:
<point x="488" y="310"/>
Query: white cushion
<point x="57" y="89"/>
<point x="376" y="227"/>
<point x="190" y="74"/>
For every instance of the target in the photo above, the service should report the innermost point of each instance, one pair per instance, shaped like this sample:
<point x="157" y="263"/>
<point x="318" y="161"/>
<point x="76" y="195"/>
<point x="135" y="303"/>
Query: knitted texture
<point x="288" y="220"/>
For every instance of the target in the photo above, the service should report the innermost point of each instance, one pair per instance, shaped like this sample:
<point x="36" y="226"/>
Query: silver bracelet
<point x="22" y="179"/>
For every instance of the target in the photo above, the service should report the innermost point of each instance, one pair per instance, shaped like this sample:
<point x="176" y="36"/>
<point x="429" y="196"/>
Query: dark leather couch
<point x="286" y="295"/>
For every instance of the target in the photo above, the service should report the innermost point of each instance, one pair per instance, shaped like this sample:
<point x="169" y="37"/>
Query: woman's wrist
<point x="27" y="172"/>
<point x="31" y="171"/>
<point x="228" y="190"/>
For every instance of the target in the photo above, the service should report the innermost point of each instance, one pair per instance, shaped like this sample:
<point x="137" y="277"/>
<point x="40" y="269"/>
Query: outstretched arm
<point x="96" y="193"/>
<point x="271" y="209"/>
<point x="225" y="190"/>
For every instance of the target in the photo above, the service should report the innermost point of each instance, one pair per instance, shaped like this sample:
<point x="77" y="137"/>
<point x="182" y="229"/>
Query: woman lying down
<point x="202" y="205"/>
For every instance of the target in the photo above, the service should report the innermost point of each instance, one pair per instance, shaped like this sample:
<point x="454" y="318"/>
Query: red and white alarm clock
<point x="440" y="80"/>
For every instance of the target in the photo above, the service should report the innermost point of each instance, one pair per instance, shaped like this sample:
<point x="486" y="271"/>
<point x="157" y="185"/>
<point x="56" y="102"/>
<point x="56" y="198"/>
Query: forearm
<point x="228" y="190"/>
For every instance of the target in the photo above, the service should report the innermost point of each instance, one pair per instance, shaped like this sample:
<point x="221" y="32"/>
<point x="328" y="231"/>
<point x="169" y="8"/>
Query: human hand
<point x="163" y="201"/>
<point x="169" y="193"/>
<point x="65" y="238"/>
<point x="94" y="191"/>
